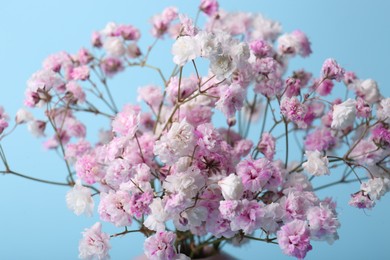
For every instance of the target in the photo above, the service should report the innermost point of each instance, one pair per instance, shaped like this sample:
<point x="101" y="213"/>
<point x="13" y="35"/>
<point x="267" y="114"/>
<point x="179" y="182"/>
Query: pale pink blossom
<point x="267" y="146"/>
<point x="332" y="70"/>
<point x="23" y="116"/>
<point x="294" y="238"/>
<point x="127" y="121"/>
<point x="323" y="223"/>
<point x="209" y="7"/>
<point x="321" y="139"/>
<point x="160" y="246"/>
<point x="113" y="208"/>
<point x="80" y="73"/>
<point x="361" y="201"/>
<point x="95" y="244"/>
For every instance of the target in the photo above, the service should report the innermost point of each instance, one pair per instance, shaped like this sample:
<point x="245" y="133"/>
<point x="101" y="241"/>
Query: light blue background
<point x="34" y="220"/>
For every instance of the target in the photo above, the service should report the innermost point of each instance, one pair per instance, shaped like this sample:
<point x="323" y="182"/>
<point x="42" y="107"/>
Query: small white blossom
<point x="316" y="164"/>
<point x="231" y="187"/>
<point x="79" y="200"/>
<point x="383" y="110"/>
<point x="114" y="46"/>
<point x="185" y="48"/>
<point x="156" y="219"/>
<point x="344" y="114"/>
<point x="23" y="116"/>
<point x="368" y="89"/>
<point x="375" y="187"/>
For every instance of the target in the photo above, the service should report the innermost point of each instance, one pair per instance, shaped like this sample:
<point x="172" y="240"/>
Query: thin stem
<point x="36" y="179"/>
<point x="286" y="133"/>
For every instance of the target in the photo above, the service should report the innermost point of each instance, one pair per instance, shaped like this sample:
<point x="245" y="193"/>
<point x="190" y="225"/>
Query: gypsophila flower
<point x="231" y="187"/>
<point x="160" y="246"/>
<point x="79" y="200"/>
<point x="344" y="114"/>
<point x="316" y="164"/>
<point x="332" y="70"/>
<point x="294" y="238"/>
<point x="94" y="244"/>
<point x="185" y="48"/>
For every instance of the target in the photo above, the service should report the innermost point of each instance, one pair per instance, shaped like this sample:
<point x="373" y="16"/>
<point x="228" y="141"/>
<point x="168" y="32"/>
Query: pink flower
<point x="363" y="109"/>
<point x="84" y="56"/>
<point x="160" y="246"/>
<point x="294" y="43"/>
<point x="209" y="7"/>
<point x="294" y="238"/>
<point x="267" y="146"/>
<point x="294" y="110"/>
<point x="94" y="244"/>
<point x="323" y="223"/>
<point x="88" y="169"/>
<point x="231" y="99"/>
<point x="111" y="66"/>
<point x="128" y="32"/>
<point x="77" y="94"/>
<point x="113" y="208"/>
<point x="249" y="218"/>
<point x="151" y="95"/>
<point x="261" y="48"/>
<point x="80" y="73"/>
<point x="332" y="70"/>
<point x="325" y="88"/>
<point x="127" y="121"/>
<point x="321" y="139"/>
<point x="258" y="175"/>
<point x="361" y="201"/>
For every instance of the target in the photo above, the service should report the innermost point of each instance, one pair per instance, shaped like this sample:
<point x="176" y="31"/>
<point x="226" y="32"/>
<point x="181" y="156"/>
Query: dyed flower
<point x="294" y="238"/>
<point x="160" y="246"/>
<point x="95" y="244"/>
<point x="332" y="70"/>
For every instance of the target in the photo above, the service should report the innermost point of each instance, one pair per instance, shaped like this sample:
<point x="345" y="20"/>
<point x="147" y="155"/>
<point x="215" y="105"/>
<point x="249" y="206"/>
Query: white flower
<point x="368" y="89"/>
<point x="186" y="183"/>
<point x="114" y="46"/>
<point x="79" y="200"/>
<point x="156" y="219"/>
<point x="178" y="142"/>
<point x="23" y="116"/>
<point x="316" y="164"/>
<point x="185" y="48"/>
<point x="344" y="114"/>
<point x="376" y="187"/>
<point x="383" y="110"/>
<point x="231" y="187"/>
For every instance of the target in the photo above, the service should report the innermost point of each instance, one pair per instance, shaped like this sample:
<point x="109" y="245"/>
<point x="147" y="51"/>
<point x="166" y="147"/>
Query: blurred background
<point x="35" y="222"/>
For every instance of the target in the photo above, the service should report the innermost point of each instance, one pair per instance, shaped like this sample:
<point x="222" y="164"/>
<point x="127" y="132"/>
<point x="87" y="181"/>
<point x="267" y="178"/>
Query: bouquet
<point x="224" y="150"/>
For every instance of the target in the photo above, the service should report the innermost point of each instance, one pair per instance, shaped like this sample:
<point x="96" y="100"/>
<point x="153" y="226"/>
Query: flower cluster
<point x="189" y="183"/>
